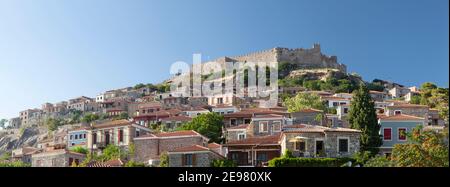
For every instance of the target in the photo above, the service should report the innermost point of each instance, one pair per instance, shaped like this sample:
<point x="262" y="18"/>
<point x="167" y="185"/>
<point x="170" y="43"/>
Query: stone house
<point x="308" y="116"/>
<point x="14" y="123"/>
<point x="245" y="116"/>
<point x="236" y="133"/>
<point x="333" y="102"/>
<point x="117" y="132"/>
<point x="411" y="109"/>
<point x="150" y="147"/>
<point x="155" y="117"/>
<point x="197" y="101"/>
<point x="56" y="158"/>
<point x="253" y="151"/>
<point x="411" y="94"/>
<point x="141" y="108"/>
<point x="379" y="96"/>
<point x="224" y="109"/>
<point x="24" y="154"/>
<point x="171" y="123"/>
<point x="194" y="112"/>
<point x="318" y="141"/>
<point x="192" y="156"/>
<point x="398" y="91"/>
<point x="394" y="128"/>
<point x="80" y="103"/>
<point x="174" y="102"/>
<point x="342" y="111"/>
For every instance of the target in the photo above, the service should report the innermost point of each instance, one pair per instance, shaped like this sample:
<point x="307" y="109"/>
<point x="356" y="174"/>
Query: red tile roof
<point x="401" y="117"/>
<point x="303" y="128"/>
<point x="114" y="123"/>
<point x="193" y="148"/>
<point x="177" y="118"/>
<point x="310" y="110"/>
<point x="115" y="163"/>
<point x="213" y="145"/>
<point x="268" y="116"/>
<point x="243" y="126"/>
<point x="263" y="140"/>
<point x="405" y="105"/>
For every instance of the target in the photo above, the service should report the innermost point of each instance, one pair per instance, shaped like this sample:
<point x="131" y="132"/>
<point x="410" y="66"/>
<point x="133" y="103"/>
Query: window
<point x="300" y="146"/>
<point x="342" y="145"/>
<point x="70" y="161"/>
<point x="71" y="137"/>
<point x="335" y="103"/>
<point x="387" y="134"/>
<point x="94" y="138"/>
<point x="219" y="100"/>
<point x="276" y="126"/>
<point x="233" y="121"/>
<point x="398" y="112"/>
<point x="84" y="136"/>
<point x="241" y="136"/>
<point x="247" y="121"/>
<point x="137" y="133"/>
<point x="402" y="134"/>
<point x="76" y="136"/>
<point x="345" y="110"/>
<point x="120" y="135"/>
<point x="263" y="126"/>
<point x="188" y="159"/>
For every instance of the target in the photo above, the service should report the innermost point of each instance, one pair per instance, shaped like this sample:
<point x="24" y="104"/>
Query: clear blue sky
<point x="54" y="50"/>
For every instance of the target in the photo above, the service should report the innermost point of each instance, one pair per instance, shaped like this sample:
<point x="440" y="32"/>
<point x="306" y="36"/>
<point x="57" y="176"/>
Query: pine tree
<point x="363" y="117"/>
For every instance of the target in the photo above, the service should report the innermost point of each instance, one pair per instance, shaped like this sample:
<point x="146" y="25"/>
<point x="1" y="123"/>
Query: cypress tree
<point x="363" y="117"/>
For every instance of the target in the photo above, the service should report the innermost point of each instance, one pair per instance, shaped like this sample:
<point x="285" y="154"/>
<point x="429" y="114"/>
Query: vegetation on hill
<point x="304" y="101"/>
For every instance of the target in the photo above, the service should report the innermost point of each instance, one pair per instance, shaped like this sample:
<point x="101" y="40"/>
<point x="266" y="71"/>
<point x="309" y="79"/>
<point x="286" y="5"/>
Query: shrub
<point x="134" y="164"/>
<point x="14" y="164"/>
<point x="78" y="149"/>
<point x="223" y="163"/>
<point x="309" y="162"/>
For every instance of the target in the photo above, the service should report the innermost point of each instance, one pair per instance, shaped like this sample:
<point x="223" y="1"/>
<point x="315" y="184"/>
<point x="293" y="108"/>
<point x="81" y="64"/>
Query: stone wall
<point x="146" y="149"/>
<point x="202" y="159"/>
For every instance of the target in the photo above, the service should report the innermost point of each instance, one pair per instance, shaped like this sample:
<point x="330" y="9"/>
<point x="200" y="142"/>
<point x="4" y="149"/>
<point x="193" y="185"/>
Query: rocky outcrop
<point x="13" y="139"/>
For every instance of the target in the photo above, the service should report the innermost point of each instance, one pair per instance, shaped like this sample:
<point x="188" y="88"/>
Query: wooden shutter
<point x="193" y="160"/>
<point x="183" y="160"/>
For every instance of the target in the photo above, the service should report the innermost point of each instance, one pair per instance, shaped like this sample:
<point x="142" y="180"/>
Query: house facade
<point x="57" y="158"/>
<point x="192" y="156"/>
<point x="394" y="128"/>
<point x="318" y="141"/>
<point x="150" y="147"/>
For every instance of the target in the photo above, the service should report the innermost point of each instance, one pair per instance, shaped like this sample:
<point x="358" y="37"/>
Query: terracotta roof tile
<point x="213" y="145"/>
<point x="243" y="126"/>
<point x="401" y="117"/>
<point x="264" y="140"/>
<point x="193" y="148"/>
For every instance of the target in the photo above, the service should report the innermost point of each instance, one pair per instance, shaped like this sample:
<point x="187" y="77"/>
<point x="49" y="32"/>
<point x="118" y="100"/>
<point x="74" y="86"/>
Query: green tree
<point x="363" y="117"/>
<point x="139" y="86"/>
<point x="415" y="99"/>
<point x="79" y="149"/>
<point x="223" y="163"/>
<point x="312" y="84"/>
<point x="5" y="156"/>
<point x="53" y="124"/>
<point x="164" y="160"/>
<point x="112" y="152"/>
<point x="424" y="149"/>
<point x="88" y="118"/>
<point x="379" y="161"/>
<point x="304" y="101"/>
<point x="209" y="125"/>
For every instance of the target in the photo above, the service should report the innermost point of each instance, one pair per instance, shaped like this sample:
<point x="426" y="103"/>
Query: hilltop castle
<point x="304" y="58"/>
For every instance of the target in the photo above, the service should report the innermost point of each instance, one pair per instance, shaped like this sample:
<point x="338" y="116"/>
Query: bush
<point x="223" y="163"/>
<point x="14" y="164"/>
<point x="134" y="164"/>
<point x="379" y="161"/>
<point x="309" y="162"/>
<point x="81" y="150"/>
